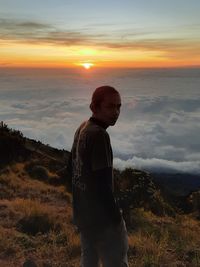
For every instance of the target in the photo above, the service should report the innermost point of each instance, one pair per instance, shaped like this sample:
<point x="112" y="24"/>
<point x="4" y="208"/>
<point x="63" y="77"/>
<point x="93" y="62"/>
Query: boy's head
<point x="105" y="104"/>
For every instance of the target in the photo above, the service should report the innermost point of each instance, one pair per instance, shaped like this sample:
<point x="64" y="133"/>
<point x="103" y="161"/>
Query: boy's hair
<point x="100" y="94"/>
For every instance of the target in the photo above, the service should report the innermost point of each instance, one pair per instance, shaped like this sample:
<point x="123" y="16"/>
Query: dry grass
<point x="15" y="182"/>
<point x="154" y="241"/>
<point x="57" y="244"/>
<point x="165" y="241"/>
<point x="35" y="221"/>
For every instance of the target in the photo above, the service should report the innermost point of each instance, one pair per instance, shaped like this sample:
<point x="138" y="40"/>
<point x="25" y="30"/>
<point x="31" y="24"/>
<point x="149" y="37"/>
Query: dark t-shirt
<point x="94" y="205"/>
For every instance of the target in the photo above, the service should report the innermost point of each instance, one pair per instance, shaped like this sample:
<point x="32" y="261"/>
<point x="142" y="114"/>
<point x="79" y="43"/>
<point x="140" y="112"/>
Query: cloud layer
<point x="157" y="130"/>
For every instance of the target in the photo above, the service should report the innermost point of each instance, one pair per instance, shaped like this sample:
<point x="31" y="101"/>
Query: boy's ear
<point x="93" y="108"/>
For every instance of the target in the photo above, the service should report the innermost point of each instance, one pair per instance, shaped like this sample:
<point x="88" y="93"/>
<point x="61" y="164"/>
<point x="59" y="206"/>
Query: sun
<point x="87" y="65"/>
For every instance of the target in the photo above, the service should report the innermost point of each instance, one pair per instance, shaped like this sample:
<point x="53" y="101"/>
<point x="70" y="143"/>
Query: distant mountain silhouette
<point x="178" y="188"/>
<point x="179" y="184"/>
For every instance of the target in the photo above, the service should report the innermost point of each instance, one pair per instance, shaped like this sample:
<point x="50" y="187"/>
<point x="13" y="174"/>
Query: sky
<point x="129" y="33"/>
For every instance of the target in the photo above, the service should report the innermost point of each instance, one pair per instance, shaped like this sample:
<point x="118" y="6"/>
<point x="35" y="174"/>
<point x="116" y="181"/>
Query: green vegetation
<point x="36" y="212"/>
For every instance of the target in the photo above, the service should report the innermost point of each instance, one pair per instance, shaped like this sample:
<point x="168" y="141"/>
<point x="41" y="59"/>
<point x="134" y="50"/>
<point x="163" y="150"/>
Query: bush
<point x="35" y="217"/>
<point x="37" y="171"/>
<point x="35" y="223"/>
<point x="40" y="172"/>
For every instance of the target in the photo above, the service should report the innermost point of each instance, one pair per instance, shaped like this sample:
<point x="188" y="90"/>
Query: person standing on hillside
<point x="95" y="211"/>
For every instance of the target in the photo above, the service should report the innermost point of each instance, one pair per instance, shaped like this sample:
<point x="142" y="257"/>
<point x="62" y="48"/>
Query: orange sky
<point x="107" y="34"/>
<point x="15" y="54"/>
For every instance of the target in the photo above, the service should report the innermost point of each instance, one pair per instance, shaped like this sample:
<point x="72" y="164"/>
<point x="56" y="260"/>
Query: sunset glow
<point x="100" y="40"/>
<point x="87" y="65"/>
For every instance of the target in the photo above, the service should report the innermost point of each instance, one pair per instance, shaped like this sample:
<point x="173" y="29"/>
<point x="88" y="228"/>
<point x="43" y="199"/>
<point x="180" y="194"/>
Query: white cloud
<point x="159" y="165"/>
<point x="153" y="131"/>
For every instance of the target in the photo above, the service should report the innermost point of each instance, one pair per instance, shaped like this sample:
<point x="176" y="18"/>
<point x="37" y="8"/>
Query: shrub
<point x="35" y="218"/>
<point x="37" y="171"/>
<point x="35" y="223"/>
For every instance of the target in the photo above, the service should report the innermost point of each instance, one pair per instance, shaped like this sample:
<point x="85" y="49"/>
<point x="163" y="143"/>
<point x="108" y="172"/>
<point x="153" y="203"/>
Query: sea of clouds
<point x="158" y="128"/>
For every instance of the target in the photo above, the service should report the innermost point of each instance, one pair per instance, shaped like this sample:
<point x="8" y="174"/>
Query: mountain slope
<point x="36" y="212"/>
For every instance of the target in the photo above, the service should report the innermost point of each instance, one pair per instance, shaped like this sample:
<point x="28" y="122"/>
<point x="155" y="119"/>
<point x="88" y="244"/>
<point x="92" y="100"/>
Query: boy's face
<point x="109" y="109"/>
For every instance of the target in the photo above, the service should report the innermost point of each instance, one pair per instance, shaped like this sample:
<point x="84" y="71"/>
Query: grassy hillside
<point x="36" y="213"/>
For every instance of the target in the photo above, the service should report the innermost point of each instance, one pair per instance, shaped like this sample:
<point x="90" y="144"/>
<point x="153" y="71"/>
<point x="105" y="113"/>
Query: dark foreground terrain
<point x="36" y="213"/>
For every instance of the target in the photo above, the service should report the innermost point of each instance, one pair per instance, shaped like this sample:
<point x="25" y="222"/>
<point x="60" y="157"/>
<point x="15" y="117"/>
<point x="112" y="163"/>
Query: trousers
<point x="108" y="247"/>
